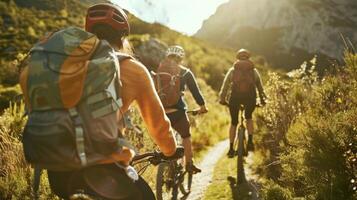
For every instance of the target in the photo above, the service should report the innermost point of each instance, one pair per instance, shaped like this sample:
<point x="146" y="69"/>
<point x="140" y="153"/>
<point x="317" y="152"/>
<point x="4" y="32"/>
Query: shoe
<point x="230" y="153"/>
<point x="250" y="146"/>
<point x="190" y="167"/>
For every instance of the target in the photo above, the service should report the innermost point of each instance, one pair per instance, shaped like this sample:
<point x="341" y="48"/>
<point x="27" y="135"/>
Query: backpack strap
<point x="184" y="71"/>
<point x="79" y="131"/>
<point x="112" y="92"/>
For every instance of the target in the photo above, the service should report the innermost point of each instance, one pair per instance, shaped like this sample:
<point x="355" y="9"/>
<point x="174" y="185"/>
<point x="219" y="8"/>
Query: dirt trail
<point x="202" y="180"/>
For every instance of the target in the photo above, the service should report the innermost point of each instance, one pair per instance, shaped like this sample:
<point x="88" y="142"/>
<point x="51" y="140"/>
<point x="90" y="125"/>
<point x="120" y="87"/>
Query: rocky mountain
<point x="286" y="32"/>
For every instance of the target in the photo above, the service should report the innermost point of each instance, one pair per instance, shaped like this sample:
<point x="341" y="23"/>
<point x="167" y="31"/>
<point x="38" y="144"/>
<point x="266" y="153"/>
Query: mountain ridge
<point x="285" y="32"/>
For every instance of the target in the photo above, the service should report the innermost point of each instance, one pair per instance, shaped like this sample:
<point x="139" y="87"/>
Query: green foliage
<point x="15" y="173"/>
<point x="22" y="26"/>
<point x="310" y="132"/>
<point x="275" y="192"/>
<point x="8" y="73"/>
<point x="209" y="128"/>
<point x="8" y="94"/>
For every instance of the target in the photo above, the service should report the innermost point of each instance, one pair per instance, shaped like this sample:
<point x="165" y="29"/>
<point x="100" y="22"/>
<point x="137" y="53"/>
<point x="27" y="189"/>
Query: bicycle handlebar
<point x="156" y="157"/>
<point x="193" y="112"/>
<point x="145" y="155"/>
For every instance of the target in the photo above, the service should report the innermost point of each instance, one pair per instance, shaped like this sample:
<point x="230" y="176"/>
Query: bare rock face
<point x="151" y="52"/>
<point x="286" y="32"/>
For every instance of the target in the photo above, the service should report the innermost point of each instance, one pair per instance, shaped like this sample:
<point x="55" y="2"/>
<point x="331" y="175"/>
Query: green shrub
<point x="310" y="124"/>
<point x="8" y="94"/>
<point x="275" y="192"/>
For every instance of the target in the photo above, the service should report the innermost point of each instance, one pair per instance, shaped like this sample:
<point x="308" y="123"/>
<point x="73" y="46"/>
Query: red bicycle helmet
<point x="110" y="14"/>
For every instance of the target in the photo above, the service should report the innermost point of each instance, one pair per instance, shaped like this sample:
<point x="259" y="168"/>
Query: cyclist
<point x="173" y="101"/>
<point x="109" y="22"/>
<point x="239" y="88"/>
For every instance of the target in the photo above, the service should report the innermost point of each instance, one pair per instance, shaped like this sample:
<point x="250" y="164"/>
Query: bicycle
<point x="172" y="177"/>
<point x="241" y="146"/>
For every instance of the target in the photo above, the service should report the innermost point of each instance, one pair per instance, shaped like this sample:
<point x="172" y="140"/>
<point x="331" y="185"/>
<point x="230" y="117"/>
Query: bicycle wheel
<point x="165" y="182"/>
<point x="186" y="183"/>
<point x="240" y="157"/>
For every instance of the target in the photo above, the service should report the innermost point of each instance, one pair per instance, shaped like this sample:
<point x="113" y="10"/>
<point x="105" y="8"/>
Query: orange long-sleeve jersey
<point x="138" y="86"/>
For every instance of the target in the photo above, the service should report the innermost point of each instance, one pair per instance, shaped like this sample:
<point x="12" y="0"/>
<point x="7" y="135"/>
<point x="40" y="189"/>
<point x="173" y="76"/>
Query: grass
<point x="224" y="183"/>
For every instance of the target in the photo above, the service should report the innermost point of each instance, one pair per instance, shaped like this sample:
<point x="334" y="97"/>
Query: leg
<point x="187" y="144"/>
<point x="233" y="110"/>
<point x="180" y="122"/>
<point x="232" y="133"/>
<point x="250" y="126"/>
<point x="249" y="109"/>
<point x="248" y="115"/>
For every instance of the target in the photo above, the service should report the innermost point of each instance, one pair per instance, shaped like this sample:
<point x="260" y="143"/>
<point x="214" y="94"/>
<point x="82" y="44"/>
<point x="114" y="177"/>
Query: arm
<point x="225" y="86"/>
<point x="140" y="87"/>
<point x="259" y="85"/>
<point x="194" y="89"/>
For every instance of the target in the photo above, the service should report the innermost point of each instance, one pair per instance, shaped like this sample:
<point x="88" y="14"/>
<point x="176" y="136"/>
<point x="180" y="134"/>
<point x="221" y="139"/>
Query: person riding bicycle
<point x="109" y="22"/>
<point x="239" y="88"/>
<point x="171" y="80"/>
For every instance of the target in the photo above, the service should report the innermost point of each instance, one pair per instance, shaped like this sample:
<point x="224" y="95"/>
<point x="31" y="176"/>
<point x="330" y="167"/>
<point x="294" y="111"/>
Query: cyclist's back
<point x="239" y="88"/>
<point x="109" y="22"/>
<point x="171" y="80"/>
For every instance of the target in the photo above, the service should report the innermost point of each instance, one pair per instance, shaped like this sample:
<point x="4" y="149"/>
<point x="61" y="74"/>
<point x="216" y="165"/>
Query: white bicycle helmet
<point x="175" y="50"/>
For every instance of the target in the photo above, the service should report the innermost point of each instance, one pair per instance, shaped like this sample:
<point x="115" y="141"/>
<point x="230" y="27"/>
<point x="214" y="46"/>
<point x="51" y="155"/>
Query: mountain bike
<point x="172" y="176"/>
<point x="240" y="145"/>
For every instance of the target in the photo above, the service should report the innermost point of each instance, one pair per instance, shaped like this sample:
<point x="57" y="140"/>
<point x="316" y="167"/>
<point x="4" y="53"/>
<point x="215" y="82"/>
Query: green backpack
<point x="71" y="85"/>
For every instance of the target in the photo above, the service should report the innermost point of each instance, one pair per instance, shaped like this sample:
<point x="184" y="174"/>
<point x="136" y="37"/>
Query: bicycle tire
<point x="165" y="178"/>
<point x="185" y="185"/>
<point x="240" y="156"/>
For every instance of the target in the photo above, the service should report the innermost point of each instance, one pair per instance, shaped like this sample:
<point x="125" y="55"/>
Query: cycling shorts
<point x="234" y="105"/>
<point x="180" y="122"/>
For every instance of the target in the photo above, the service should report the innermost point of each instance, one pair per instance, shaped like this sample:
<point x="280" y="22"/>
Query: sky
<point x="185" y="16"/>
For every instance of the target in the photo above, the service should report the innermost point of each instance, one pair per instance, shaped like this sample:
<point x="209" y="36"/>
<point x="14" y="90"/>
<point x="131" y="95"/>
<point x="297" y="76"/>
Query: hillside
<point x="286" y="32"/>
<point x="23" y="23"/>
<point x="22" y="26"/>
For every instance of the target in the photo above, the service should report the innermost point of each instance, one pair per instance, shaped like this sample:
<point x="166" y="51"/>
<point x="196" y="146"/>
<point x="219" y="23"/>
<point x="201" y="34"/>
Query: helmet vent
<point x="118" y="18"/>
<point x="98" y="13"/>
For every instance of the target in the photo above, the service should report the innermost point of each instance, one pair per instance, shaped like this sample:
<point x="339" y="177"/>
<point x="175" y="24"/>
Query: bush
<point x="276" y="192"/>
<point x="311" y="127"/>
<point x="8" y="94"/>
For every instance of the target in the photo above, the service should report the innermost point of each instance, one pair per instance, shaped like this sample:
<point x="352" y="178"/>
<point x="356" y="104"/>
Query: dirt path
<point x="202" y="180"/>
